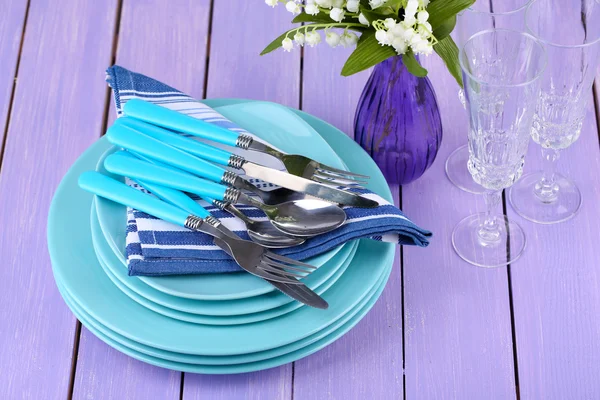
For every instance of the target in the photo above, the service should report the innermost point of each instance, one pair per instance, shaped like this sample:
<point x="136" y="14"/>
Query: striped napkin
<point x="155" y="247"/>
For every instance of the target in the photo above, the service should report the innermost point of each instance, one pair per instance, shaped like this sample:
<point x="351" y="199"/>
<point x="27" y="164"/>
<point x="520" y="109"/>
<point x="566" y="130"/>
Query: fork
<point x="294" y="164"/>
<point x="250" y="256"/>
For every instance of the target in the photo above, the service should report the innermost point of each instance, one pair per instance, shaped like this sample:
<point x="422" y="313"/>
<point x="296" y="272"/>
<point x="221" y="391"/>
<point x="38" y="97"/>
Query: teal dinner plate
<point x="225" y="312"/>
<point x="73" y="258"/>
<point x="228" y="364"/>
<point x="269" y="121"/>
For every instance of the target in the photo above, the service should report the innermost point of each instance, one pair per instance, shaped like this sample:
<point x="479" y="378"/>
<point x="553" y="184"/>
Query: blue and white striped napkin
<point x="155" y="247"/>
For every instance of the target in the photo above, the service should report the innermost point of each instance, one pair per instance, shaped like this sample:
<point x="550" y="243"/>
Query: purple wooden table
<point x="442" y="329"/>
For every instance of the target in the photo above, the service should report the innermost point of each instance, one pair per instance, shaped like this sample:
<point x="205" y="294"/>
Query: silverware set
<point x="160" y="158"/>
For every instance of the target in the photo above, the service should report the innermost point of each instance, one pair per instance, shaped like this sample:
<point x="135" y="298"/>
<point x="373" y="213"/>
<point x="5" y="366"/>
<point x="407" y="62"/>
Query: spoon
<point x="305" y="217"/>
<point x="261" y="232"/>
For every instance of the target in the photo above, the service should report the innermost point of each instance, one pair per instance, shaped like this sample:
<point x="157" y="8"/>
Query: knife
<point x="158" y="144"/>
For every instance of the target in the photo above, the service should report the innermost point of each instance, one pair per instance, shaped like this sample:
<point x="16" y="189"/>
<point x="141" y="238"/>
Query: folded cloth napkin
<point x="155" y="247"/>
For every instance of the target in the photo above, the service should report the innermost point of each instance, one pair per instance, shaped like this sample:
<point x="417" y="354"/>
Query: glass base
<point x="505" y="249"/>
<point x="458" y="173"/>
<point x="525" y="202"/>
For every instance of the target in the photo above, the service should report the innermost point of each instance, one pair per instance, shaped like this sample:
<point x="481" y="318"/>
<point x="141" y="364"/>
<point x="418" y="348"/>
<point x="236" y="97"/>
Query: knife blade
<point x="306" y="186"/>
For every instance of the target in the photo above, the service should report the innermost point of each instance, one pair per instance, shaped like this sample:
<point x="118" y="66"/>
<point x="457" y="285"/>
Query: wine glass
<point x="570" y="32"/>
<point x="501" y="72"/>
<point x="483" y="15"/>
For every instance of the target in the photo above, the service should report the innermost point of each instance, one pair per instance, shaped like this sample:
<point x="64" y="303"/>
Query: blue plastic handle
<point x="169" y="195"/>
<point x="194" y="147"/>
<point x="145" y="145"/>
<point x="109" y="188"/>
<point x="144" y="171"/>
<point x="176" y="198"/>
<point x="177" y="121"/>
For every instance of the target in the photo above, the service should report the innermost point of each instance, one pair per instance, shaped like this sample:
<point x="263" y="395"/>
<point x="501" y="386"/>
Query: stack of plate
<point x="213" y="323"/>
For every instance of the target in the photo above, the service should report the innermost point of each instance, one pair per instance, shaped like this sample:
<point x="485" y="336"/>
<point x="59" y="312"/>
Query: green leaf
<point x="445" y="28"/>
<point x="412" y="65"/>
<point x="320" y="17"/>
<point x="441" y="10"/>
<point x="275" y="44"/>
<point x="448" y="51"/>
<point x="368" y="52"/>
<point x="372" y="15"/>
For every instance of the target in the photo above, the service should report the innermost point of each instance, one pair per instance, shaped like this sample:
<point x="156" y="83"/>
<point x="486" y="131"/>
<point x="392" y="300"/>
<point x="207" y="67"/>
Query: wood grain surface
<point x="57" y="113"/>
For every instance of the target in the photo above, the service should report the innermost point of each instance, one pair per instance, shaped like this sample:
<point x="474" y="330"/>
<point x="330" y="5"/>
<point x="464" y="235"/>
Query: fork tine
<point x="287" y="260"/>
<point x="335" y="181"/>
<point x="335" y="175"/>
<point x="265" y="274"/>
<point x="279" y="270"/>
<point x="286" y="268"/>
<point x="341" y="171"/>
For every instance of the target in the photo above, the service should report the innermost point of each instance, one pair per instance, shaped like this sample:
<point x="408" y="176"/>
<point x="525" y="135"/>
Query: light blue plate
<point x="228" y="364"/>
<point x="226" y="312"/>
<point x="75" y="266"/>
<point x="269" y="121"/>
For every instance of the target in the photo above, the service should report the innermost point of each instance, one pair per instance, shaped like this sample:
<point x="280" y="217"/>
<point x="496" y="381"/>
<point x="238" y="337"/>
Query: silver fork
<point x="250" y="256"/>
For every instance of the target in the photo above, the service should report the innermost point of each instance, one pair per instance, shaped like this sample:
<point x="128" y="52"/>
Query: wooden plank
<point x="236" y="70"/>
<point x="240" y="30"/>
<point x="457" y="317"/>
<point x="56" y="115"/>
<point x="556" y="285"/>
<point x="367" y="361"/>
<point x="167" y="41"/>
<point x="12" y="19"/>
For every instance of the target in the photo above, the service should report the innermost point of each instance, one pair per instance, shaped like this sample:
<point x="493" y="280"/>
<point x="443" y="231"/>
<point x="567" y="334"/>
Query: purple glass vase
<point x="397" y="121"/>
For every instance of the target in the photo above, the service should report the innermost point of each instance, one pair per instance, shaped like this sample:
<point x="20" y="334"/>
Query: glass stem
<point x="489" y="230"/>
<point x="546" y="190"/>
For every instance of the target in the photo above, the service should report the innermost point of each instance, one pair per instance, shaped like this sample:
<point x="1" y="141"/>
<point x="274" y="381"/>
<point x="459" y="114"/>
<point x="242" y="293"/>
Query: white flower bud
<point x="425" y="30"/>
<point x="389" y="23"/>
<point x="325" y="3"/>
<point x="292" y="7"/>
<point x="409" y="20"/>
<point x="287" y="44"/>
<point x="299" y="39"/>
<point x="332" y="39"/>
<point x="363" y="20"/>
<point x="348" y="39"/>
<point x="398" y="30"/>
<point x="399" y="45"/>
<point x="376" y="3"/>
<point x="411" y="8"/>
<point x="311" y="9"/>
<point x="312" y="38"/>
<point x="422" y="17"/>
<point x="384" y="37"/>
<point x="408" y="34"/>
<point x="337" y="14"/>
<point x="271" y="3"/>
<point x="352" y="5"/>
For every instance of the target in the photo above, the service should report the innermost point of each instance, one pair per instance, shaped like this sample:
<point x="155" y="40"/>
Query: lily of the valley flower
<point x="324" y="3"/>
<point x="332" y="39"/>
<point x="363" y="20"/>
<point x="348" y="39"/>
<point x="287" y="44"/>
<point x="337" y="14"/>
<point x="272" y="3"/>
<point x="376" y="3"/>
<point x="311" y="9"/>
<point x="293" y="7"/>
<point x="352" y="5"/>
<point x="312" y="38"/>
<point x="299" y="39"/>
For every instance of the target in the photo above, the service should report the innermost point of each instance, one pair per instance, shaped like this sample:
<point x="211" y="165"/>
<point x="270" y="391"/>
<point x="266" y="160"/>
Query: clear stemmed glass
<point x="504" y="14"/>
<point x="570" y="32"/>
<point x="501" y="73"/>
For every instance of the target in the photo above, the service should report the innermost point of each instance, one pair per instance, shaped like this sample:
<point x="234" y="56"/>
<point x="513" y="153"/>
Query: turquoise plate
<point x="76" y="268"/>
<point x="232" y="364"/>
<point x="226" y="312"/>
<point x="282" y="128"/>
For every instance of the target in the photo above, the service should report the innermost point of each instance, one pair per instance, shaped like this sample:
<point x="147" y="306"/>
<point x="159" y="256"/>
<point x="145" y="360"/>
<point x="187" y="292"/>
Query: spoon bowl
<point x="305" y="217"/>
